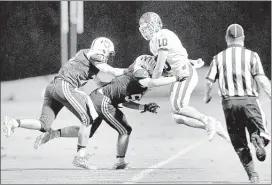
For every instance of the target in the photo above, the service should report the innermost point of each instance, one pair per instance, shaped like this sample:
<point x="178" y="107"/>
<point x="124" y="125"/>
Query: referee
<point x="239" y="72"/>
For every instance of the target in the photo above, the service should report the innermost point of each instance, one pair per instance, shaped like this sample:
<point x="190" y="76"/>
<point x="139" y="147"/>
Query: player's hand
<point x="151" y="107"/>
<point x="197" y="63"/>
<point x="207" y="98"/>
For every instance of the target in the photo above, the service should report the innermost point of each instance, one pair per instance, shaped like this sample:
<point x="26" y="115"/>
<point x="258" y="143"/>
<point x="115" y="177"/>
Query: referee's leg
<point x="236" y="130"/>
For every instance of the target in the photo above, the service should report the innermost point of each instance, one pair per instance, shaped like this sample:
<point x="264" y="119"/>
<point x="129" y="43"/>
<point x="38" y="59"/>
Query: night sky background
<point x="30" y="31"/>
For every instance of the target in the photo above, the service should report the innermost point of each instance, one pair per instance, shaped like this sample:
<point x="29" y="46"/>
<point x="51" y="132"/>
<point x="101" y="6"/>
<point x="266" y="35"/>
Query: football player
<point x="172" y="58"/>
<point x="125" y="90"/>
<point x="63" y="91"/>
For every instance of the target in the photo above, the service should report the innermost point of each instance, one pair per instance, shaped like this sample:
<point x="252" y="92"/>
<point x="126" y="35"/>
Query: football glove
<point x="197" y="63"/>
<point x="151" y="107"/>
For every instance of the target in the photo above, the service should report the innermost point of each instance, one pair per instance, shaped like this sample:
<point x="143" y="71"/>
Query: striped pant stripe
<point x="68" y="95"/>
<point x="180" y="91"/>
<point x="113" y="121"/>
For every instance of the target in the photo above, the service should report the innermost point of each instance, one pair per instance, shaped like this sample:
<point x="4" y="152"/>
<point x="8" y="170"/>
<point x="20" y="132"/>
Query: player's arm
<point x="162" y="55"/>
<point x="150" y="107"/>
<point x="110" y="70"/>
<point x="150" y="82"/>
<point x="98" y="81"/>
<point x="144" y="79"/>
<point x="133" y="105"/>
<point x="258" y="73"/>
<point x="211" y="77"/>
<point x="265" y="84"/>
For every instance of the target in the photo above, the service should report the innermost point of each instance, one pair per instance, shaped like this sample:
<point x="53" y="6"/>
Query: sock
<point x="18" y="123"/>
<point x="120" y="159"/>
<point x="81" y="150"/>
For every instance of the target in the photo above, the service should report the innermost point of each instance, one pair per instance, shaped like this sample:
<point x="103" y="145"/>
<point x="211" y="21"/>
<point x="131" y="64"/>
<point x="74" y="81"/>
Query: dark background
<point x="30" y="31"/>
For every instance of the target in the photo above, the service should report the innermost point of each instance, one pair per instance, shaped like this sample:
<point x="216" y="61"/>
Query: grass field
<point x="160" y="151"/>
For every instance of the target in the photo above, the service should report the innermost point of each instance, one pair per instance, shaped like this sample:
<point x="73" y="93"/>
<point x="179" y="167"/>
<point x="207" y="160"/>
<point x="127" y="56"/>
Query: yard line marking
<point x="143" y="173"/>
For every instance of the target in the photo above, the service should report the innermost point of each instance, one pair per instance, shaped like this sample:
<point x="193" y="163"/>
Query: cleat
<point x="8" y="125"/>
<point x="120" y="166"/>
<point x="220" y="130"/>
<point x="258" y="143"/>
<point x="254" y="180"/>
<point x="210" y="127"/>
<point x="83" y="162"/>
<point x="43" y="138"/>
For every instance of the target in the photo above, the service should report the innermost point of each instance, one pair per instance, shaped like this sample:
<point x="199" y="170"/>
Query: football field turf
<point x="160" y="151"/>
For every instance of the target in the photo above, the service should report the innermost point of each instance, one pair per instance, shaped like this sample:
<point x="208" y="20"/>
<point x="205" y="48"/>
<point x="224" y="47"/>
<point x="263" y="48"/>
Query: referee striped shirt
<point x="235" y="69"/>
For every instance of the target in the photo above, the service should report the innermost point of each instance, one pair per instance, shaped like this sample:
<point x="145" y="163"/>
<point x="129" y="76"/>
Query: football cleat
<point x="83" y="162"/>
<point x="254" y="180"/>
<point x="220" y="130"/>
<point x="258" y="143"/>
<point x="43" y="138"/>
<point x="210" y="127"/>
<point x="120" y="166"/>
<point x="8" y="125"/>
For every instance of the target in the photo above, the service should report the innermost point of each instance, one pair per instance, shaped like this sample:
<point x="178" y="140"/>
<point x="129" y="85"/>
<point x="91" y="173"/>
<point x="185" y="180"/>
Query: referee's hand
<point x="207" y="98"/>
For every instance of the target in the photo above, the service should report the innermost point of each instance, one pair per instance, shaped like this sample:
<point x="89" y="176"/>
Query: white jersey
<point x="168" y="40"/>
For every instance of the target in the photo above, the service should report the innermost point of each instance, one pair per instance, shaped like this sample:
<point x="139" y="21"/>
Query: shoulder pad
<point x="141" y="74"/>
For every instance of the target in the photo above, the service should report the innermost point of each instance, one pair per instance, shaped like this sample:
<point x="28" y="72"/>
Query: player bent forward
<point x="63" y="91"/>
<point x="124" y="89"/>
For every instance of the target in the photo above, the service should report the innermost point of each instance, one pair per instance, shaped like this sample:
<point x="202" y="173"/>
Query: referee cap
<point x="235" y="31"/>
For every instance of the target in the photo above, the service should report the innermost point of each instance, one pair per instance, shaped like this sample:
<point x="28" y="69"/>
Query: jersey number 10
<point x="162" y="42"/>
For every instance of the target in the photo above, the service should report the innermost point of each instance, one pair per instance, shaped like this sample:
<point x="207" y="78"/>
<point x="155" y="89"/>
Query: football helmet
<point x="103" y="46"/>
<point x="149" y="23"/>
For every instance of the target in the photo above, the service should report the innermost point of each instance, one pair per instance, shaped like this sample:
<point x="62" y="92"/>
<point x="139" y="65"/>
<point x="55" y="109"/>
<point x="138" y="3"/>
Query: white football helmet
<point x="149" y="23"/>
<point x="103" y="46"/>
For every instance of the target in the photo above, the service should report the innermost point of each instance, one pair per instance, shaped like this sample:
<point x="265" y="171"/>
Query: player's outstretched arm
<point x="162" y="55"/>
<point x="149" y="82"/>
<point x="150" y="107"/>
<point x="110" y="70"/>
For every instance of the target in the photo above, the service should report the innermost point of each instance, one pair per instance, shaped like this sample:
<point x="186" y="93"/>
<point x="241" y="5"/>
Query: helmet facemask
<point x="147" y="30"/>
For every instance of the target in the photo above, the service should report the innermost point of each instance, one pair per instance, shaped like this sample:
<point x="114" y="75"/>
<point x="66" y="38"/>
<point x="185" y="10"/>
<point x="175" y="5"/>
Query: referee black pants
<point x="241" y="114"/>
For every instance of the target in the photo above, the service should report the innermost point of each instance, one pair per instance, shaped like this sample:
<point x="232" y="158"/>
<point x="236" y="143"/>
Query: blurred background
<point x="31" y="31"/>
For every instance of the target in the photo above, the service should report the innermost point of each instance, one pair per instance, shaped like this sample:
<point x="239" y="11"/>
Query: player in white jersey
<point x="172" y="58"/>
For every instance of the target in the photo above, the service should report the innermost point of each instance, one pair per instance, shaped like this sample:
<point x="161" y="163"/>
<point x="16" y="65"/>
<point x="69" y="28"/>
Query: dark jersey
<point x="78" y="70"/>
<point x="126" y="87"/>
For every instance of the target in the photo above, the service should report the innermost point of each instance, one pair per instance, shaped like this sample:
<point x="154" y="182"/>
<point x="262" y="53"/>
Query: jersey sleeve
<point x="163" y="42"/>
<point x="212" y="74"/>
<point x="256" y="65"/>
<point x="141" y="74"/>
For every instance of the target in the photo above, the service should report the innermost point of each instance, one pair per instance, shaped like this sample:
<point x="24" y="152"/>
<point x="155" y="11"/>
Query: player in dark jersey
<point x="124" y="89"/>
<point x="63" y="91"/>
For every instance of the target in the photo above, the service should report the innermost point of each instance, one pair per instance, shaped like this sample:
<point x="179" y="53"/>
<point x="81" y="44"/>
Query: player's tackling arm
<point x="110" y="70"/>
<point x="133" y="105"/>
<point x="162" y="55"/>
<point x="149" y="82"/>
